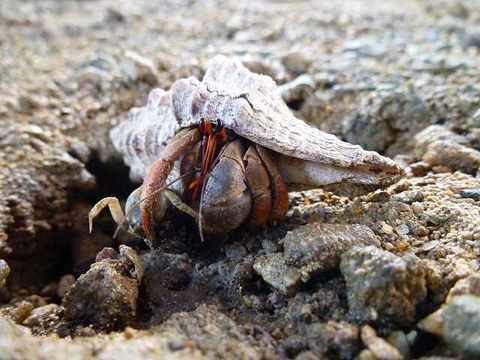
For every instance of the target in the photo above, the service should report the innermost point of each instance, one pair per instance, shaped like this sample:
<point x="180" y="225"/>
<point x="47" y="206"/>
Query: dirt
<point x="400" y="78"/>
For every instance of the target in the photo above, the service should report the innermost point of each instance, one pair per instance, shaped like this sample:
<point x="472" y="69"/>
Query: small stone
<point x="27" y="104"/>
<point x="235" y="251"/>
<point x="4" y="272"/>
<point x="106" y="253"/>
<point x="44" y="319"/>
<point x="105" y="297"/>
<point x="21" y="311"/>
<point x="471" y="194"/>
<point x="144" y="69"/>
<point x="84" y="331"/>
<point x="296" y="91"/>
<point x="399" y="340"/>
<point x="409" y="197"/>
<point x="417" y="208"/>
<point x="435" y="133"/>
<point x="441" y="169"/>
<point x="403" y="229"/>
<point x="296" y="63"/>
<point x="467" y="235"/>
<point x="318" y="247"/>
<point x="274" y="271"/>
<point x="472" y="39"/>
<point x="386" y="228"/>
<point x="467" y="286"/>
<point x="378" y="346"/>
<point x="448" y="156"/>
<point x="366" y="355"/>
<point x="420" y="168"/>
<point x="421" y="231"/>
<point x="129" y="332"/>
<point x="383" y="116"/>
<point x="64" y="285"/>
<point x="340" y="340"/>
<point x="461" y="325"/>
<point x="381" y="284"/>
<point x="378" y="196"/>
<point x="433" y="323"/>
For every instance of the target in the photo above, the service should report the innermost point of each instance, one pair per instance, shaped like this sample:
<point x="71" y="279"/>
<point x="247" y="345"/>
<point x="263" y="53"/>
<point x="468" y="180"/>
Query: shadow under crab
<point x="227" y="150"/>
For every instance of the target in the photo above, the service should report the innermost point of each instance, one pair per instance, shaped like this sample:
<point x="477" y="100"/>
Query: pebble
<point x="21" y="311"/>
<point x="417" y="208"/>
<point x="467" y="286"/>
<point x="379" y="347"/>
<point x="383" y="285"/>
<point x="338" y="340"/>
<point x="275" y="272"/>
<point x="296" y="63"/>
<point x="235" y="251"/>
<point x="432" y="134"/>
<point x="399" y="340"/>
<point x="105" y="297"/>
<point x="403" y="229"/>
<point x="318" y="247"/>
<point x="129" y="332"/>
<point x="461" y="325"/>
<point x="144" y="68"/>
<point x="420" y="168"/>
<point x="44" y="318"/>
<point x="471" y="194"/>
<point x="297" y="90"/>
<point x="447" y="156"/>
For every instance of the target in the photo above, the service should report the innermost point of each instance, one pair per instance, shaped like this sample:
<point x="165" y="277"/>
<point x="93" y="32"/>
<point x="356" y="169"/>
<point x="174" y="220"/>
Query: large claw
<point x="226" y="201"/>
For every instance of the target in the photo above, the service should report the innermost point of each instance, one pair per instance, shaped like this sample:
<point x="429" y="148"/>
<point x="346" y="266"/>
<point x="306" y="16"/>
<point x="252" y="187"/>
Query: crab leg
<point x="114" y="207"/>
<point x="153" y="207"/>
<point x="279" y="188"/>
<point x="258" y="181"/>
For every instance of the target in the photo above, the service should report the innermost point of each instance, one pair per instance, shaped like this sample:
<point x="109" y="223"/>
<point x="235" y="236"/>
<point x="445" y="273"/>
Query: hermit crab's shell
<point x="250" y="105"/>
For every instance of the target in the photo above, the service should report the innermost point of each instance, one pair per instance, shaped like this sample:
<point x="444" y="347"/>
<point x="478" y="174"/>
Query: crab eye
<point x="132" y="213"/>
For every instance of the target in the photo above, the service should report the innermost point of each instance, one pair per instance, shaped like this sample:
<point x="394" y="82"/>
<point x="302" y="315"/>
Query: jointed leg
<point x="258" y="182"/>
<point x="153" y="205"/>
<point x="279" y="188"/>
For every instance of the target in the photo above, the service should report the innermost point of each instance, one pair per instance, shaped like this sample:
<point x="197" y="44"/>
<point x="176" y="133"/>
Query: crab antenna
<point x="200" y="218"/>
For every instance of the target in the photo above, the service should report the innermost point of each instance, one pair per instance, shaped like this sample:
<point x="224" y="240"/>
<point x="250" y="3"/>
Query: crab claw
<point x="226" y="200"/>
<point x="115" y="210"/>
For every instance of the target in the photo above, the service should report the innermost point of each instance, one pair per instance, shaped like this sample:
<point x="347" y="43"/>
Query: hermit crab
<point x="226" y="150"/>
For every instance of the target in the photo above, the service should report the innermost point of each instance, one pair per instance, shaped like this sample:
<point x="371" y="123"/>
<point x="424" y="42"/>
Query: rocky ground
<point x="393" y="274"/>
